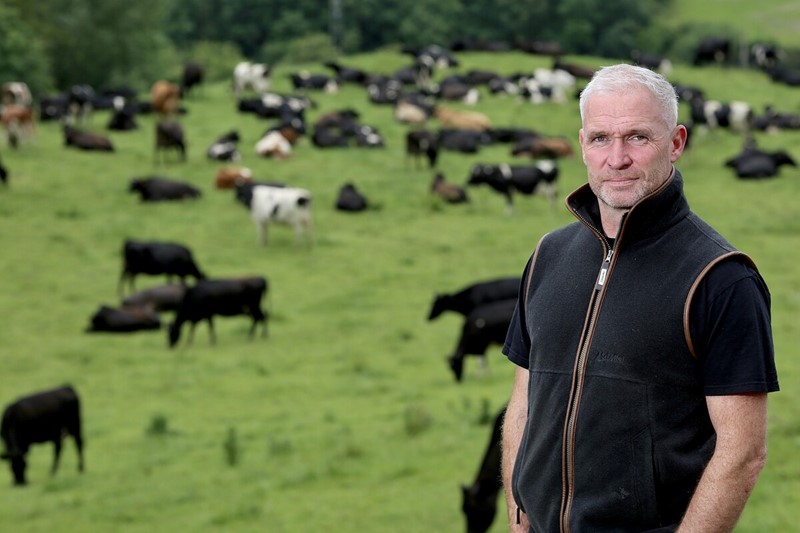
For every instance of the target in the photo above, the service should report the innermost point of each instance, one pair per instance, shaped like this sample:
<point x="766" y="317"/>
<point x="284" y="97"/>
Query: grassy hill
<point x="346" y="417"/>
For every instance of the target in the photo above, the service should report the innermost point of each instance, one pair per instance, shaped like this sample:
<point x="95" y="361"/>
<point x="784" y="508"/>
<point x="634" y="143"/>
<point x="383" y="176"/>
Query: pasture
<point x="346" y="417"/>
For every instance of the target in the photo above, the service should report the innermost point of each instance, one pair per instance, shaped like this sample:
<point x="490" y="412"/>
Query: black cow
<point x="712" y="50"/>
<point x="3" y="174"/>
<point x="479" y="500"/>
<point x="753" y="163"/>
<point x="165" y="297"/>
<point x="506" y="179"/>
<point x="305" y="81"/>
<point x="156" y="189"/>
<point x="86" y="140"/>
<point x="193" y="74"/>
<point x="224" y="297"/>
<point x="467" y="299"/>
<point x="348" y="74"/>
<point x="156" y="258"/>
<point x="464" y="141"/>
<point x="422" y="142"/>
<point x="45" y="416"/>
<point x="169" y="134"/>
<point x="125" y="319"/>
<point x="350" y="199"/>
<point x="484" y="326"/>
<point x="123" y="118"/>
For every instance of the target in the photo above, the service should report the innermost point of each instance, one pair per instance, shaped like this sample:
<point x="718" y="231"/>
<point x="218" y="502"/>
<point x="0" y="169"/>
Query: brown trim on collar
<point x="687" y="333"/>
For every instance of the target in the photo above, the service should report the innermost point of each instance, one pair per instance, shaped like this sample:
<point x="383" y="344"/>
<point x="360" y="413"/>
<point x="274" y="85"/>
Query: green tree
<point x="22" y="53"/>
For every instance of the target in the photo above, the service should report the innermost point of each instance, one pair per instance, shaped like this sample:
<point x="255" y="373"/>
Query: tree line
<point x="52" y="44"/>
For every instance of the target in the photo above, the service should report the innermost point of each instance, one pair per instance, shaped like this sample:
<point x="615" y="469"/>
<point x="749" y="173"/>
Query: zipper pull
<point x="601" y="278"/>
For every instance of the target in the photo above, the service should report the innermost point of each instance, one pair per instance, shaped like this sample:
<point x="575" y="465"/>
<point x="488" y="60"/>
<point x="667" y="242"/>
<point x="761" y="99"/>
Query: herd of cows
<point x="418" y="97"/>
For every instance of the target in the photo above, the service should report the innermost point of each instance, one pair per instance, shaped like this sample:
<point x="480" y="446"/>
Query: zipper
<point x="568" y="450"/>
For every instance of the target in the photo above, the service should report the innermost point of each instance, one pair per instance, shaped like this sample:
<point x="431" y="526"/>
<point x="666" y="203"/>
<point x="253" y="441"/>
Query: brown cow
<point x="165" y="97"/>
<point x="18" y="124"/>
<point x="229" y="177"/>
<point x="465" y="120"/>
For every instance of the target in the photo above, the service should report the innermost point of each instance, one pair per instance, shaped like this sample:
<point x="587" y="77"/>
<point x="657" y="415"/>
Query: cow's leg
<point x="212" y="337"/>
<point x="79" y="446"/>
<point x="191" y="333"/>
<point x="56" y="454"/>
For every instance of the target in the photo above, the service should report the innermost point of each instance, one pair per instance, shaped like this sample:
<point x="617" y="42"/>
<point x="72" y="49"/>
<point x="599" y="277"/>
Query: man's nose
<point x="618" y="154"/>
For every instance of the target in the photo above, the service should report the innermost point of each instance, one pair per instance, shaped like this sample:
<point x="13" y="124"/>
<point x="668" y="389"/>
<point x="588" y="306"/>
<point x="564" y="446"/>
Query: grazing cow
<point x="222" y="297"/>
<point x="86" y="140"/>
<point x="193" y="74"/>
<point x="765" y="55"/>
<point x="537" y="146"/>
<point x="80" y="103"/>
<point x="422" y="142"/>
<point x="350" y="200"/>
<point x="230" y="177"/>
<point x="169" y="135"/>
<point x="125" y="319"/>
<point x="45" y="416"/>
<point x="467" y="299"/>
<point x="449" y="192"/>
<point x="3" y="174"/>
<point x="224" y="148"/>
<point x="18" y="124"/>
<point x="160" y="298"/>
<point x="247" y="75"/>
<point x="578" y="71"/>
<point x="165" y="98"/>
<point x="753" y="163"/>
<point x="156" y="189"/>
<point x="274" y="145"/>
<point x="484" y="326"/>
<point x="505" y="179"/>
<point x="283" y="205"/>
<point x="712" y="114"/>
<point x="654" y="62"/>
<point x="479" y="500"/>
<point x="712" y="50"/>
<point x="465" y="120"/>
<point x="348" y="74"/>
<point x="155" y="258"/>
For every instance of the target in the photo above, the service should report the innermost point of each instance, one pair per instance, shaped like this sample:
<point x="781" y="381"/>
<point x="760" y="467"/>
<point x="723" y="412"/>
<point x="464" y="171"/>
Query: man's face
<point x="627" y="148"/>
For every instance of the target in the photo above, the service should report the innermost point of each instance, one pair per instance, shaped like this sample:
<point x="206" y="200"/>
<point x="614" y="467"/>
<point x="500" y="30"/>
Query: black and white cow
<point x="158" y="189"/>
<point x="321" y="82"/>
<point x="479" y="500"/>
<point x="712" y="50"/>
<point x="269" y="204"/>
<point x="506" y="179"/>
<point x="155" y="258"/>
<point x="225" y="148"/>
<point x="465" y="300"/>
<point x="736" y="116"/>
<point x="220" y="297"/>
<point x="254" y="76"/>
<point x="484" y="326"/>
<point x="45" y="416"/>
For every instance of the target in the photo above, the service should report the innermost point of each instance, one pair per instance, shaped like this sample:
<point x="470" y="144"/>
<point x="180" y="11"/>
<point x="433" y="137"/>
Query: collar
<point x="653" y="214"/>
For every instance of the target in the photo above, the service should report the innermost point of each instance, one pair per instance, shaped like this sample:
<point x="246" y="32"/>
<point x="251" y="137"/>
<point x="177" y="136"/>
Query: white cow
<point x="275" y="145"/>
<point x="283" y="205"/>
<point x="247" y="75"/>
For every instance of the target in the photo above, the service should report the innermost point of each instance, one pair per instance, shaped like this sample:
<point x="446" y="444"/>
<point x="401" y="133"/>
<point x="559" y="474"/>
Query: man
<point x="643" y="341"/>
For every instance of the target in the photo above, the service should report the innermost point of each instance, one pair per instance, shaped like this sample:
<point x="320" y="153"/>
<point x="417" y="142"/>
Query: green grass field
<point x="346" y="418"/>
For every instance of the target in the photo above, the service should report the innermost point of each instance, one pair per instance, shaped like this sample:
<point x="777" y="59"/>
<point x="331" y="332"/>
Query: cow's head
<point x="480" y="174"/>
<point x="441" y="303"/>
<point x="18" y="465"/>
<point x="479" y="509"/>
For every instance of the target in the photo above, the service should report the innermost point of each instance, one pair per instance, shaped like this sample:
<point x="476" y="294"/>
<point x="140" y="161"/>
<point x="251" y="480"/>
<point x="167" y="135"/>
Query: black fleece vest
<point x="618" y="432"/>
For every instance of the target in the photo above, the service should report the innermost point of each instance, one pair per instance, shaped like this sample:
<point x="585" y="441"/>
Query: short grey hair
<point x="624" y="77"/>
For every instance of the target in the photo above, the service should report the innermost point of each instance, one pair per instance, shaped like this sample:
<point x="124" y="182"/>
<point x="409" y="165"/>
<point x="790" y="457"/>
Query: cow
<point x="464" y="141"/>
<point x="484" y="326"/>
<point x="384" y="90"/>
<point x="539" y="146"/>
<point x="86" y="140"/>
<point x="456" y="90"/>
<point x="45" y="416"/>
<point x="3" y="174"/>
<point x="505" y="179"/>
<point x="407" y="112"/>
<point x="753" y="163"/>
<point x="229" y="177"/>
<point x="193" y="74"/>
<point x="125" y="319"/>
<point x="465" y="300"/>
<point x="18" y="124"/>
<point x="220" y="297"/>
<point x="479" y="500"/>
<point x="773" y="121"/>
<point x="348" y="74"/>
<point x="449" y="192"/>
<point x="122" y="116"/>
<point x="712" y="50"/>
<point x="165" y="97"/>
<point x="350" y="200"/>
<point x="547" y="85"/>
<point x="157" y="189"/>
<point x="79" y="103"/>
<point x="579" y="71"/>
<point x="16" y="93"/>
<point x="546" y="48"/>
<point x="254" y="76"/>
<point x="169" y="135"/>
<point x="290" y="206"/>
<point x="225" y="148"/>
<point x="156" y="258"/>
<point x="736" y="116"/>
<point x="654" y="62"/>
<point x="422" y="142"/>
<point x="274" y="145"/>
<point x="465" y="120"/>
<point x="305" y="80"/>
<point x="166" y="297"/>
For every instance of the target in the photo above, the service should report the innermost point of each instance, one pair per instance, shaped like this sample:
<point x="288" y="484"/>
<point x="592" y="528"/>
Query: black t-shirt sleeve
<point x="518" y="344"/>
<point x="731" y="330"/>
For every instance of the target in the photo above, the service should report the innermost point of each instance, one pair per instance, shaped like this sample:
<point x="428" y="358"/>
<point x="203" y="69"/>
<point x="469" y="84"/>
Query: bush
<point x="22" y="54"/>
<point x="313" y="48"/>
<point x="217" y="58"/>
